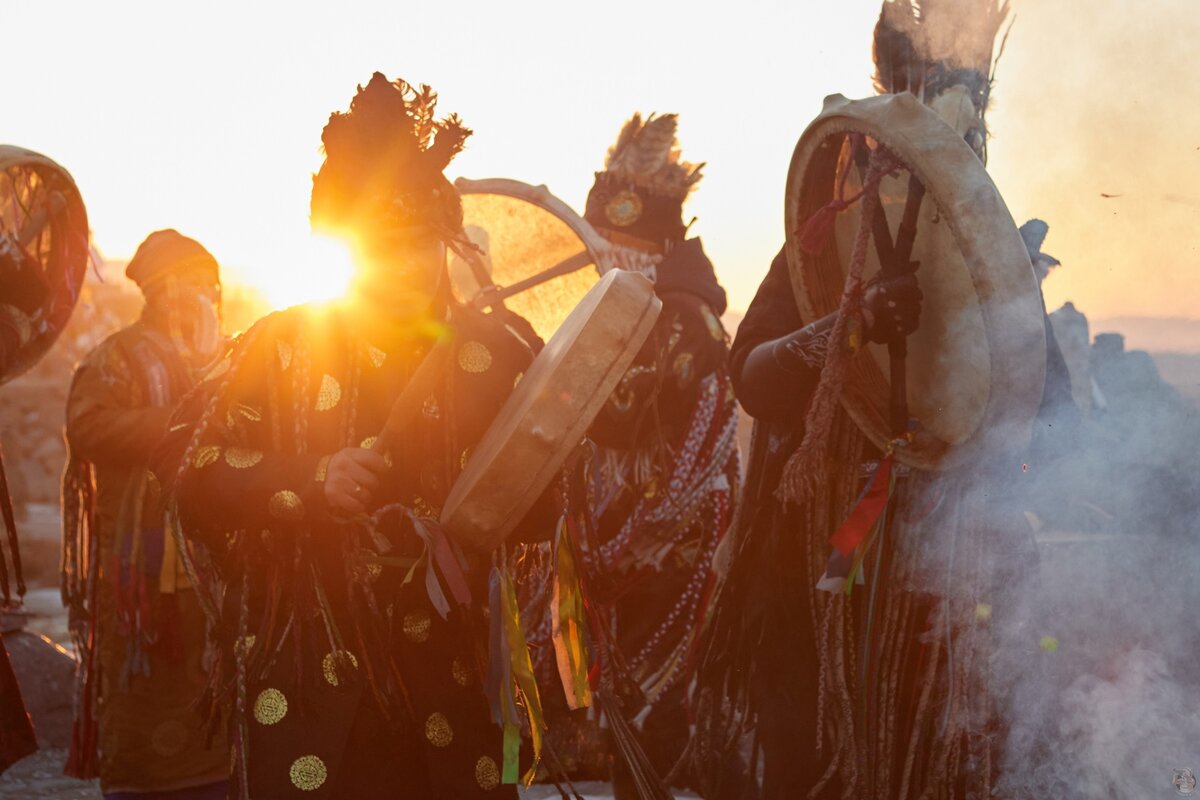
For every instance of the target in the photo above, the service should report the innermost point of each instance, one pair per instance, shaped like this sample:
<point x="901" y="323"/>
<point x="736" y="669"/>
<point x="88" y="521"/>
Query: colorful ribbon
<point x="569" y="624"/>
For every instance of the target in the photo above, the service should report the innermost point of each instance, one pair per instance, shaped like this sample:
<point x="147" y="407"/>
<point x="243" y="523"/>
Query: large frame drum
<point x="42" y="213"/>
<point x="976" y="366"/>
<point x="550" y="410"/>
<point x="536" y="249"/>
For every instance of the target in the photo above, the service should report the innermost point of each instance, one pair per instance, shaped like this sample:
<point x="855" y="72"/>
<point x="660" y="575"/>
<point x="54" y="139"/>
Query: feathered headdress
<point x="643" y="185"/>
<point x="647" y="154"/>
<point x="384" y="160"/>
<point x="926" y="46"/>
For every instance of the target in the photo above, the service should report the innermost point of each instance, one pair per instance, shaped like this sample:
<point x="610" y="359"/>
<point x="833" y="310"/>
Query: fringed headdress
<point x="642" y="188"/>
<point x="928" y="46"/>
<point x="384" y="160"/>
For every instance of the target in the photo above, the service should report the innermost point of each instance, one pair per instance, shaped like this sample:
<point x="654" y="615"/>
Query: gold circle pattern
<point x="270" y="706"/>
<point x="487" y="773"/>
<point x="474" y="357"/>
<point x="242" y="458"/>
<point x="205" y="456"/>
<point x="330" y="393"/>
<point x="438" y="730"/>
<point x="286" y="505"/>
<point x="169" y="738"/>
<point x="329" y="665"/>
<point x="308" y="773"/>
<point x="417" y="625"/>
<point x="460" y="671"/>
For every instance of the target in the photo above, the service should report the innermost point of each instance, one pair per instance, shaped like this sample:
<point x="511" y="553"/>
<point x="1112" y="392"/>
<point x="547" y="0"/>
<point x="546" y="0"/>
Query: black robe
<point x="763" y="649"/>
<point x="344" y="679"/>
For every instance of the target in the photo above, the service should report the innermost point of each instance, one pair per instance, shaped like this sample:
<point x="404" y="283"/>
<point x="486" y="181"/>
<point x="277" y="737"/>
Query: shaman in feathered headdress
<point x="641" y="190"/>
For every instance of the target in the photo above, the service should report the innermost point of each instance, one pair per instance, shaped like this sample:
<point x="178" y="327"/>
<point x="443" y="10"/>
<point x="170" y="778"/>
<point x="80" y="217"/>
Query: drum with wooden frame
<point x="540" y="256"/>
<point x="976" y="366"/>
<point x="550" y="410"/>
<point x="42" y="216"/>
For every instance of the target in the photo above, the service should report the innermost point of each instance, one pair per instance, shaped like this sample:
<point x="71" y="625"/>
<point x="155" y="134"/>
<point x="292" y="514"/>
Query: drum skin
<point x="522" y="230"/>
<point x="976" y="366"/>
<point x="550" y="410"/>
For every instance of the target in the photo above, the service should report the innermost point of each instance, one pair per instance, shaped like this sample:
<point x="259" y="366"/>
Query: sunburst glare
<point x="315" y="268"/>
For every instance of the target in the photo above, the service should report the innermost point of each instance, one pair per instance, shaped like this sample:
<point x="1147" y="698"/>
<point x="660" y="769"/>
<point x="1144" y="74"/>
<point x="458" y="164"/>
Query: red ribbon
<point x="864" y="516"/>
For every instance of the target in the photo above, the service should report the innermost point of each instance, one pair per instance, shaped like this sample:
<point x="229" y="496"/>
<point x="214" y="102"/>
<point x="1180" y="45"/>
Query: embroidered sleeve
<point x="807" y="346"/>
<point x="239" y="475"/>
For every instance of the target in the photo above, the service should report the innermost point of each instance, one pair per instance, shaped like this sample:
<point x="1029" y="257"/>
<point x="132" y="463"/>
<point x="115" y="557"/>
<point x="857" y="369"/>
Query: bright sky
<point x="207" y="117"/>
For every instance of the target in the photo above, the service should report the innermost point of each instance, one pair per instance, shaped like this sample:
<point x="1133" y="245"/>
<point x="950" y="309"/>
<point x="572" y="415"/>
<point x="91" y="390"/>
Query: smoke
<point x="1118" y="732"/>
<point x="1095" y="676"/>
<point x="1094" y="666"/>
<point x="1093" y="673"/>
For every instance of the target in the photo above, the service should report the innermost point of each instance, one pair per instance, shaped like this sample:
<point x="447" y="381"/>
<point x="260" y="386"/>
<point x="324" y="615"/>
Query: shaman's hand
<point x="351" y="478"/>
<point x="892" y="309"/>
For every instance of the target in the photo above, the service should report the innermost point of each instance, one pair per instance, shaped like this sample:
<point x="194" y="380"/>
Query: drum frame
<point x="988" y="240"/>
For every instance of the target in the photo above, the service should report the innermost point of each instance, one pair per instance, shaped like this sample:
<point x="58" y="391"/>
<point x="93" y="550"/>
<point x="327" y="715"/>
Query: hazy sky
<point x="207" y="116"/>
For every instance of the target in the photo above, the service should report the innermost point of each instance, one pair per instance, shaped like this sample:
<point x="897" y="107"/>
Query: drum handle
<point x="901" y="264"/>
<point x="493" y="294"/>
<point x="412" y="398"/>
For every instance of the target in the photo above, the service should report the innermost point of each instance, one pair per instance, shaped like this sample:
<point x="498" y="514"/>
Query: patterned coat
<point x="143" y="670"/>
<point x="344" y="678"/>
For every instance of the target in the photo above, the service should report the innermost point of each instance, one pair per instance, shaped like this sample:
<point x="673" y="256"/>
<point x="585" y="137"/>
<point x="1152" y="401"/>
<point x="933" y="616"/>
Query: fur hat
<point x="925" y="46"/>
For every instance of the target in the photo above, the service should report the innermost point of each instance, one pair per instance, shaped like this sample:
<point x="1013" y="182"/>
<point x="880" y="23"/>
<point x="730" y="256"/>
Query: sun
<point x="313" y="268"/>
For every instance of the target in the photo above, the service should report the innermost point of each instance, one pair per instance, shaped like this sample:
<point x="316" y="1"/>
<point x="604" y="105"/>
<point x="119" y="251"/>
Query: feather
<point x="628" y="131"/>
<point x="648" y="155"/>
<point x="652" y="146"/>
<point x="451" y="138"/>
<point x="423" y="105"/>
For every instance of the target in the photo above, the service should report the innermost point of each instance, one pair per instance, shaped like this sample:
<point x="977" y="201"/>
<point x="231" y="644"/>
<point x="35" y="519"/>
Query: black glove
<point x="892" y="309"/>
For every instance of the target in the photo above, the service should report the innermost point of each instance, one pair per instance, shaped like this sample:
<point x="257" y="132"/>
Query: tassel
<point x="814" y="234"/>
<point x="647" y="783"/>
<point x="805" y="469"/>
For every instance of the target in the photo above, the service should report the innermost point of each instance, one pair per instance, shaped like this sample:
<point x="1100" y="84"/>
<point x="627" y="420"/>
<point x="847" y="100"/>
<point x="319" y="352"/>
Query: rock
<point x="39" y="777"/>
<point x="46" y="674"/>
